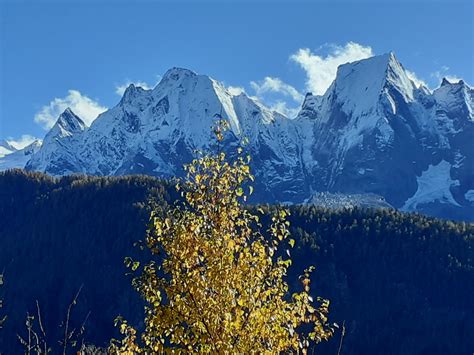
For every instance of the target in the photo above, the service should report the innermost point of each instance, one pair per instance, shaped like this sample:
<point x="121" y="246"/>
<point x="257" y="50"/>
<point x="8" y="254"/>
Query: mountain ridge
<point x="373" y="131"/>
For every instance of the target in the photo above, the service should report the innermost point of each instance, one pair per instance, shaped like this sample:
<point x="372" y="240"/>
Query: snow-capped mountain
<point x="59" y="154"/>
<point x="373" y="131"/>
<point x="157" y="131"/>
<point x="17" y="158"/>
<point x="6" y="148"/>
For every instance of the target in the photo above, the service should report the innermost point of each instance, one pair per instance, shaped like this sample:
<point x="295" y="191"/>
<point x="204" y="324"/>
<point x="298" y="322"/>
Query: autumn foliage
<point x="220" y="283"/>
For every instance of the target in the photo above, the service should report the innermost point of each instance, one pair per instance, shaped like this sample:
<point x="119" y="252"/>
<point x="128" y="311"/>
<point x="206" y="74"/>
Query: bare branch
<point x="43" y="332"/>
<point x="68" y="335"/>
<point x="342" y="337"/>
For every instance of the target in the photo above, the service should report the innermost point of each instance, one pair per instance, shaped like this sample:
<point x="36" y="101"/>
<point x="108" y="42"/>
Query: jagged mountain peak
<point x="177" y="73"/>
<point x="453" y="86"/>
<point x="132" y="89"/>
<point x="368" y="87"/>
<point x="56" y="154"/>
<point x="131" y="93"/>
<point x="310" y="107"/>
<point x="446" y="82"/>
<point x="455" y="97"/>
<point x="359" y="85"/>
<point x="69" y="123"/>
<point x="376" y="65"/>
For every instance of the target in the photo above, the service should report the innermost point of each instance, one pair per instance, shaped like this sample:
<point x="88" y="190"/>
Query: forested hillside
<point x="401" y="283"/>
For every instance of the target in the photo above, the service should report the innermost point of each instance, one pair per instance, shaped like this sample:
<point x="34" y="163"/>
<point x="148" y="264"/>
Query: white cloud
<point x="418" y="82"/>
<point x="83" y="106"/>
<point x="21" y="142"/>
<point x="321" y="71"/>
<point x="453" y="78"/>
<point x="282" y="107"/>
<point x="276" y="85"/>
<point x="120" y="89"/>
<point x="235" y="90"/>
<point x="275" y="93"/>
<point x="443" y="73"/>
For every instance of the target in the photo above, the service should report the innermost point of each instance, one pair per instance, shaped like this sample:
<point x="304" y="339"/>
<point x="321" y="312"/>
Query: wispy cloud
<point x="418" y="82"/>
<point x="235" y="90"/>
<point x="276" y="85"/>
<point x="321" y="70"/>
<point x="278" y="95"/>
<point x="86" y="108"/>
<point x="21" y="142"/>
<point x="453" y="78"/>
<point x="443" y="72"/>
<point x="120" y="89"/>
<point x="283" y="108"/>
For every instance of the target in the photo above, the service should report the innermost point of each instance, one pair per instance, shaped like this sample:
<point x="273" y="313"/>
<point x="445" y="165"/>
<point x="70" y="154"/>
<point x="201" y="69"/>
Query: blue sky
<point x="80" y="53"/>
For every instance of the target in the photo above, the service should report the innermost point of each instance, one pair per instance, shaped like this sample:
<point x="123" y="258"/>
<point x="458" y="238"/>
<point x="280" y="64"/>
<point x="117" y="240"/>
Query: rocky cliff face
<point x="373" y="131"/>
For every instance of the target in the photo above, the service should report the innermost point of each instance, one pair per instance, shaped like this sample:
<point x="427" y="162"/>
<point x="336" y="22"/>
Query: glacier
<point x="434" y="184"/>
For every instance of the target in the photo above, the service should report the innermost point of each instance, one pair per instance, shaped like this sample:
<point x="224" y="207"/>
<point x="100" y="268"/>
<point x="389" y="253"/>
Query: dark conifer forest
<point x="399" y="283"/>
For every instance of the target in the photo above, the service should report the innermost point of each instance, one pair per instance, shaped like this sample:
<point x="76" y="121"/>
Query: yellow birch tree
<point x="220" y="286"/>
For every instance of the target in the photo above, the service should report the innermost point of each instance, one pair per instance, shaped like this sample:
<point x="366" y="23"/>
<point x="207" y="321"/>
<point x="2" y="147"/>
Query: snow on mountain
<point x="372" y="132"/>
<point x="366" y="93"/>
<point x="454" y="108"/>
<point x="157" y="131"/>
<point x="57" y="155"/>
<point x="452" y="96"/>
<point x="469" y="195"/>
<point x="434" y="184"/>
<point x="160" y="127"/>
<point x="19" y="157"/>
<point x="6" y="148"/>
<point x="359" y="86"/>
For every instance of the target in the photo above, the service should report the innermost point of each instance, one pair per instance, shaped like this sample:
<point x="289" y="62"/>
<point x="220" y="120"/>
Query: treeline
<point x="59" y="234"/>
<point x="401" y="283"/>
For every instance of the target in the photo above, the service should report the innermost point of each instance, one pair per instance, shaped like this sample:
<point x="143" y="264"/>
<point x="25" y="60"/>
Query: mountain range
<point x="374" y="131"/>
